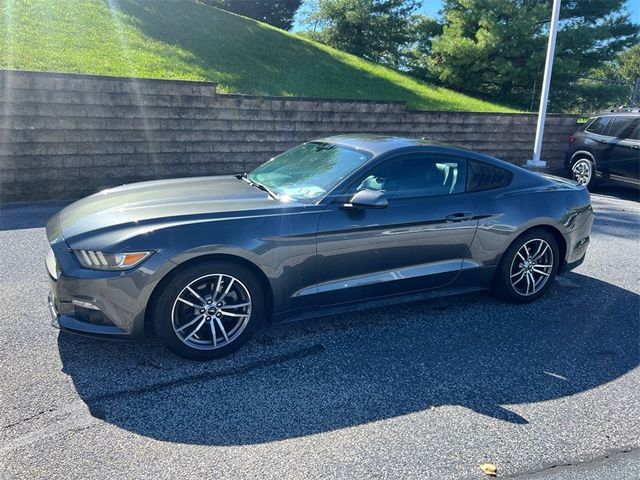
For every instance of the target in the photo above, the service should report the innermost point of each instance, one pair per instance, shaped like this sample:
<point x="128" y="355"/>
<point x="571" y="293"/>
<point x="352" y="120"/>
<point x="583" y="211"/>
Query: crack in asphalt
<point x="601" y="458"/>
<point x="73" y="417"/>
<point x="208" y="376"/>
<point x="24" y="420"/>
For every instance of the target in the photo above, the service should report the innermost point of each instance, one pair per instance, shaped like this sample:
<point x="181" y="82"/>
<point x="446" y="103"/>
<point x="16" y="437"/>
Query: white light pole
<point x="546" y="83"/>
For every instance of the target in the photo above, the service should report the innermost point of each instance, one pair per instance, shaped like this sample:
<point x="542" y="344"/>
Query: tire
<point x="583" y="171"/>
<point x="208" y="310"/>
<point x="509" y="281"/>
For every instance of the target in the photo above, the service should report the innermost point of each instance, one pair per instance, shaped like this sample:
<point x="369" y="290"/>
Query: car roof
<point x="379" y="144"/>
<point x="382" y="144"/>
<point x="613" y="113"/>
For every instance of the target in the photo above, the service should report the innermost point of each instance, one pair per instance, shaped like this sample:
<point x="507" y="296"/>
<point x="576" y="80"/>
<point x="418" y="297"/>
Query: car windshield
<point x="309" y="171"/>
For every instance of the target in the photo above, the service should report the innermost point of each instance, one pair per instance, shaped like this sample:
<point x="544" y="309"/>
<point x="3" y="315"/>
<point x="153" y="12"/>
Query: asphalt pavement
<point x="423" y="390"/>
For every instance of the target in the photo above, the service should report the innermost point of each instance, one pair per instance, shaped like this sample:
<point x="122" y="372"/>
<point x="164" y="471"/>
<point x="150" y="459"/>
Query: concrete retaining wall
<point x="65" y="136"/>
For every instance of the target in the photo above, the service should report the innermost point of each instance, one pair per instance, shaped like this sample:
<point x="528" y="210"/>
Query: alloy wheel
<point x="531" y="267"/>
<point x="582" y="171"/>
<point x="211" y="311"/>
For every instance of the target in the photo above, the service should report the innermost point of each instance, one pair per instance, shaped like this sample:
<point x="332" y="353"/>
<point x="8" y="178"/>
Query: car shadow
<point x="317" y="376"/>
<point x="617" y="192"/>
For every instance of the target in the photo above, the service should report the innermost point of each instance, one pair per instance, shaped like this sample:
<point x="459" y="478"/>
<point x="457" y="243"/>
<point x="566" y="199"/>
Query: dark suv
<point x="606" y="147"/>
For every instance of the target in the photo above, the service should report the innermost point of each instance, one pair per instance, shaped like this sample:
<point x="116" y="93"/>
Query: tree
<point x="629" y="63"/>
<point x="279" y="13"/>
<point x="373" y="29"/>
<point x="612" y="83"/>
<point x="417" y="54"/>
<point x="497" y="48"/>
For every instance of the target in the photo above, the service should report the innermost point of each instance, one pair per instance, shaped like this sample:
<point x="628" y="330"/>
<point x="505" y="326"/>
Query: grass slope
<point x="188" y="40"/>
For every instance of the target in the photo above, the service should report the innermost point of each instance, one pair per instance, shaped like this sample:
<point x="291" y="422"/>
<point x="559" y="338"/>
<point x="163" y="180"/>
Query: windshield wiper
<point x="260" y="186"/>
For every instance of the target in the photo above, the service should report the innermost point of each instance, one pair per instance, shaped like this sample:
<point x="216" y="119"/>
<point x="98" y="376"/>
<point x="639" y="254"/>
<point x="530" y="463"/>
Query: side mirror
<point x="368" y="199"/>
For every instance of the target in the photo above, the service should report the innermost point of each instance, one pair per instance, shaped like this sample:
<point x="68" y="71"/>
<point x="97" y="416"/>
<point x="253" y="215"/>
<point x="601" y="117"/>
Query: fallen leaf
<point x="489" y="469"/>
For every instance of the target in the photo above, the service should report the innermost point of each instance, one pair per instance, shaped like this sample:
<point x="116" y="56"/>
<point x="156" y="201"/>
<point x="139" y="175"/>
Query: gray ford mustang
<point x="326" y="226"/>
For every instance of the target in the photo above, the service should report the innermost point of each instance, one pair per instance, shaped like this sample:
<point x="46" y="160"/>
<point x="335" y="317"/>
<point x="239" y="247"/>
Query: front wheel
<point x="528" y="267"/>
<point x="209" y="310"/>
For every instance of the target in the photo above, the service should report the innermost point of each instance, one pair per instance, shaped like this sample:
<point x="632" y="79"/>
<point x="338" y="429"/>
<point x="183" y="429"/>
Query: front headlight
<point x="52" y="265"/>
<point x="96" y="260"/>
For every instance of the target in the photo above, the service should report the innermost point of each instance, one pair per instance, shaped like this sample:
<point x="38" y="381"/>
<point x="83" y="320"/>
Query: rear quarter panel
<point x="509" y="212"/>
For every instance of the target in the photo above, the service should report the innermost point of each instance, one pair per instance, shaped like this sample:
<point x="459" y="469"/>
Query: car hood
<point x="144" y="206"/>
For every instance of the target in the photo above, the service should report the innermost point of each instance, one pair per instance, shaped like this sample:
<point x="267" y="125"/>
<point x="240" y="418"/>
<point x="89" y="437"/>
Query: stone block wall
<point x="66" y="136"/>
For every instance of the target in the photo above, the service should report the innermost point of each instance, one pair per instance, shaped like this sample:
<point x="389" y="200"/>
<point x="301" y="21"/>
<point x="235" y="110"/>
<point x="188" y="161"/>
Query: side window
<point x="598" y="125"/>
<point x="623" y="127"/>
<point x="483" y="176"/>
<point x="417" y="176"/>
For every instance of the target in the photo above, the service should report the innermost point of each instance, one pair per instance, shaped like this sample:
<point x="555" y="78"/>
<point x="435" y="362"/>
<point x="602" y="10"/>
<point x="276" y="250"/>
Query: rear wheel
<point x="528" y="267"/>
<point x="209" y="310"/>
<point x="583" y="171"/>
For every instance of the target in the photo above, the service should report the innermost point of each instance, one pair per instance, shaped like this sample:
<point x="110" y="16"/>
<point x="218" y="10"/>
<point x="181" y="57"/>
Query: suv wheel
<point x="583" y="171"/>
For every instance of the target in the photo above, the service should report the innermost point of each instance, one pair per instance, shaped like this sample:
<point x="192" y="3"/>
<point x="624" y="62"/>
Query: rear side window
<point x="598" y="125"/>
<point x="482" y="176"/>
<point x="623" y="127"/>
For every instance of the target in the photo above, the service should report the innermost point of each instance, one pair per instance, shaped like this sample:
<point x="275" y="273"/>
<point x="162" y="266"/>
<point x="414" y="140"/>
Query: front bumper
<point x="99" y="303"/>
<point x="71" y="323"/>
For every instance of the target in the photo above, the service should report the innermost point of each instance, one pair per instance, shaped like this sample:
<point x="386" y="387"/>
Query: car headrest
<point x="450" y="174"/>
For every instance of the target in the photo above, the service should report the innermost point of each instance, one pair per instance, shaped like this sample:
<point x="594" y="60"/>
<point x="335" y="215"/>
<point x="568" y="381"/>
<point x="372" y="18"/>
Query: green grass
<point x="188" y="40"/>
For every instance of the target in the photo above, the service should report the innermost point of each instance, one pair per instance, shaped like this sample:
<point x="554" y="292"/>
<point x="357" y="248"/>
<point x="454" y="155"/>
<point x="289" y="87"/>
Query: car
<point x="606" y="148"/>
<point x="329" y="226"/>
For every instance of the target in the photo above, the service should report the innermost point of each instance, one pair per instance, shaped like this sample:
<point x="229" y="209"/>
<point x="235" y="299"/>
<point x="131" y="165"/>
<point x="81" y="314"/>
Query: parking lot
<point x="425" y="390"/>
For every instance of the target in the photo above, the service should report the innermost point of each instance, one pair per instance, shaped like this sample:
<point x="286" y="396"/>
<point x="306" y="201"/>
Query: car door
<point x="418" y="241"/>
<point x="623" y="152"/>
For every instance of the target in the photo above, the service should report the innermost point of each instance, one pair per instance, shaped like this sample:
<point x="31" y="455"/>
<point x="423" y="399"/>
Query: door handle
<point x="636" y="147"/>
<point x="459" y="217"/>
<point x="602" y="141"/>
